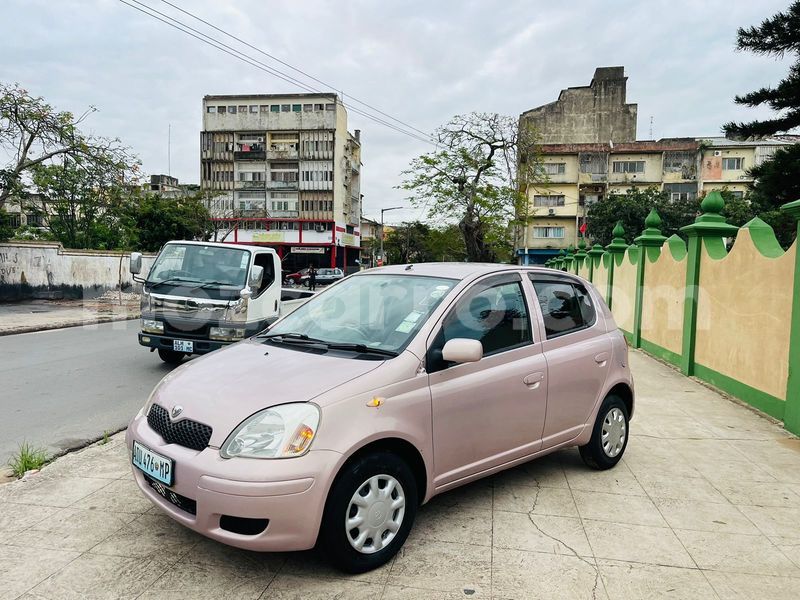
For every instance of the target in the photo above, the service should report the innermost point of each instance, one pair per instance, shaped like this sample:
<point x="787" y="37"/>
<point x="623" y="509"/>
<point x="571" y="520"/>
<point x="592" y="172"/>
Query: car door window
<point x="493" y="312"/>
<point x="566" y="306"/>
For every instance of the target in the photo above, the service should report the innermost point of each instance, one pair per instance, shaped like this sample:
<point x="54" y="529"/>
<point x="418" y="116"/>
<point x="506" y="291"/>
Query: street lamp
<point x="383" y="210"/>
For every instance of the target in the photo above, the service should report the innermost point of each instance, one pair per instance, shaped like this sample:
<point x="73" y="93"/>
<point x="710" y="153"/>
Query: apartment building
<point x="578" y="175"/>
<point x="282" y="170"/>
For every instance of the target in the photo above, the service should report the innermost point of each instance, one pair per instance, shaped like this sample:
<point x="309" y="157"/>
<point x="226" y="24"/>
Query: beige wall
<point x="662" y="301"/>
<point x="744" y="311"/>
<point x="600" y="277"/>
<point x="652" y="167"/>
<point x="623" y="295"/>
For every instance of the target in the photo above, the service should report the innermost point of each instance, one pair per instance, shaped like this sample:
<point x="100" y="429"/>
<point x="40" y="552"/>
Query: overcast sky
<point x="420" y="61"/>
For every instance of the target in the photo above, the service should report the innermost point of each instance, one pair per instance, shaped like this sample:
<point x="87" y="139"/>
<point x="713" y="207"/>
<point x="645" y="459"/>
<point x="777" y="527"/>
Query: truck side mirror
<point x="256" y="276"/>
<point x="136" y="263"/>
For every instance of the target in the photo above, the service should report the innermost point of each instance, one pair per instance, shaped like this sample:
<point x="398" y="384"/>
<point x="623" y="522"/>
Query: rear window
<point x="566" y="306"/>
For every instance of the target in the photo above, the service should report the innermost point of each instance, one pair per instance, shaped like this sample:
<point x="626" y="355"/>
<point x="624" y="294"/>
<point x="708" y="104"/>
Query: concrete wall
<point x="46" y="269"/>
<point x="624" y="289"/>
<point x="594" y="113"/>
<point x="662" y="300"/>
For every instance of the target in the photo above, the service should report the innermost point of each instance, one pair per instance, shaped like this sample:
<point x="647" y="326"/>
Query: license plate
<point x="182" y="346"/>
<point x="157" y="466"/>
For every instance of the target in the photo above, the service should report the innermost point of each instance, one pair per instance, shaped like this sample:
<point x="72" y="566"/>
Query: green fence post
<point x="594" y="254"/>
<point x="559" y="260"/>
<point x="580" y="255"/>
<point x="617" y="246"/>
<point x="569" y="259"/>
<point x="650" y="243"/>
<point x="708" y="229"/>
<point x="791" y="415"/>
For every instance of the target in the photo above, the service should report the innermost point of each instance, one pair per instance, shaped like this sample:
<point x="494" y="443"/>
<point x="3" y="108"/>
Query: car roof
<point x="453" y="270"/>
<point x="224" y="245"/>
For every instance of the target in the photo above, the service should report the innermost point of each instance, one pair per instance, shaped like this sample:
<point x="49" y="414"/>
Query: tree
<point x="418" y="242"/>
<point x="33" y="133"/>
<point x="474" y="178"/>
<point x="776" y="182"/>
<point x="777" y="36"/>
<point x="84" y="201"/>
<point x="5" y="226"/>
<point x="158" y="220"/>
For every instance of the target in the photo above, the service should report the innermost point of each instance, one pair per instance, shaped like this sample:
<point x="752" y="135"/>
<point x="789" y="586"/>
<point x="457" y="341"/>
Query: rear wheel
<point x="609" y="436"/>
<point x="171" y="357"/>
<point x="369" y="512"/>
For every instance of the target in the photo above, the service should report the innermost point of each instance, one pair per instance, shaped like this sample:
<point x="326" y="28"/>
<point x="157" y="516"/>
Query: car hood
<point x="222" y="389"/>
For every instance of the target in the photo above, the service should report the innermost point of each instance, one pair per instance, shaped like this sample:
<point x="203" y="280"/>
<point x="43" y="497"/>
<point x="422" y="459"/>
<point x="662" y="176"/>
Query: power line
<point x="293" y="68"/>
<point x="222" y="47"/>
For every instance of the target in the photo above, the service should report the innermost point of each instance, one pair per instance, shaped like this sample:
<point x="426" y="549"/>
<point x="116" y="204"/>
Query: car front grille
<point x="186" y="433"/>
<point x="185" y="504"/>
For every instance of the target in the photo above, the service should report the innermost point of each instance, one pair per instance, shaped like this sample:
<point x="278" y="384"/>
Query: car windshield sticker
<point x="405" y="327"/>
<point x="244" y="260"/>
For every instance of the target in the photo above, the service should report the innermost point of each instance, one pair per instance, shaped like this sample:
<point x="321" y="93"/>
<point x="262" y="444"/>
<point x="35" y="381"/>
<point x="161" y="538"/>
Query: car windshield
<point x="382" y="312"/>
<point x="200" y="264"/>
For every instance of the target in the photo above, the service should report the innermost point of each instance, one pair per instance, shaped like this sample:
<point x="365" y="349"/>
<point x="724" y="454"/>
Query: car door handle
<point x="601" y="358"/>
<point x="533" y="380"/>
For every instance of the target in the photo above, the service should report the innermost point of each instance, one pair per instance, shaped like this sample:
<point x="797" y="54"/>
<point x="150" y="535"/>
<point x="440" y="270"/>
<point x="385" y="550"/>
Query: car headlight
<point x="152" y="326"/>
<point x="226" y="334"/>
<point x="282" y="431"/>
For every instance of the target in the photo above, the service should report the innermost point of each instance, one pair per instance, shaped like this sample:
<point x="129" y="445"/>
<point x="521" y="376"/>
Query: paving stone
<point x="442" y="566"/>
<point x="542" y="500"/>
<point x="618" y="508"/>
<point x="540" y="533"/>
<point x="23" y="568"/>
<point x="651" y="582"/>
<point x="736" y="553"/>
<point x="637" y="543"/>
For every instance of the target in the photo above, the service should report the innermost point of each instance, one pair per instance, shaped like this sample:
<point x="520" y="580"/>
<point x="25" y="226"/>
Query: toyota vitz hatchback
<point x="388" y="388"/>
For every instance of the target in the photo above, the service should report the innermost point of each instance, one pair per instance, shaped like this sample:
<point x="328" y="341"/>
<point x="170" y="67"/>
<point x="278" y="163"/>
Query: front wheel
<point x="369" y="512"/>
<point x="609" y="436"/>
<point x="171" y="357"/>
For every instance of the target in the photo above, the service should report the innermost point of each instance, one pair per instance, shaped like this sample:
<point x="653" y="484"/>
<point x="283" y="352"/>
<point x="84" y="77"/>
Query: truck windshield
<point x="195" y="263"/>
<point x="382" y="312"/>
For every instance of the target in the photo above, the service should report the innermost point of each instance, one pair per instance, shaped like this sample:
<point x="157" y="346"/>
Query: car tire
<point x="171" y="357"/>
<point x="388" y="514"/>
<point x="609" y="435"/>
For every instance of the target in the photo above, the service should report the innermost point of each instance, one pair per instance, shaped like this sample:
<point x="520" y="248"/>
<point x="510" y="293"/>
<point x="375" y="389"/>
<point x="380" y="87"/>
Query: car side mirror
<point x="462" y="350"/>
<point x="256" y="276"/>
<point x="136" y="263"/>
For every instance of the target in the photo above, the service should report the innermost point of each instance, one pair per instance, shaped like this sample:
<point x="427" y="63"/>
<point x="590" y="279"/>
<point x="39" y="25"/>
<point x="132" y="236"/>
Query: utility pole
<point x="383" y="210"/>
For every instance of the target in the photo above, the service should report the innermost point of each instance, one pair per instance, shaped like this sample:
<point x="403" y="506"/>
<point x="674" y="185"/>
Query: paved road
<point x="59" y="388"/>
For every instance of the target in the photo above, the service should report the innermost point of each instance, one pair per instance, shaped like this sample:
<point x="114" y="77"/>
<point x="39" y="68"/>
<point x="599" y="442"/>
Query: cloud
<point x="421" y="62"/>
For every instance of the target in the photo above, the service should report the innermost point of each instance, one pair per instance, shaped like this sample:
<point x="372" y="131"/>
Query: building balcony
<point x="282" y="185"/>
<point x="282" y="154"/>
<point x="250" y="155"/>
<point x="284" y="214"/>
<point x="251" y="185"/>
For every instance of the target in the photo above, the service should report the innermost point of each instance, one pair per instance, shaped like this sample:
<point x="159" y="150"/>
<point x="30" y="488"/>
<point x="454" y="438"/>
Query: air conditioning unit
<point x="551" y="211"/>
<point x="717" y="152"/>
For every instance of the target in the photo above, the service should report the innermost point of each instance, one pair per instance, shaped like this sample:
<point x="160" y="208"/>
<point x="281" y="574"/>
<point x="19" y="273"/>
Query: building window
<point x="628" y="166"/>
<point x="594" y="163"/>
<point x="548" y="232"/>
<point x="264" y="108"/>
<point x="308" y="107"/>
<point x="221" y="110"/>
<point x="554" y="168"/>
<point x="211" y="109"/>
<point x="242" y="108"/>
<point x="34" y="220"/>
<point x="285" y="107"/>
<point x="732" y="164"/>
<point x="552" y="200"/>
<point x="297" y="107"/>
<point x="319" y="107"/>
<point x="681" y="191"/>
<point x="680" y="162"/>
<point x="330" y="106"/>
<point x="254" y="108"/>
<point x="275" y="108"/>
<point x="13" y="221"/>
<point x="231" y="110"/>
<point x="736" y="195"/>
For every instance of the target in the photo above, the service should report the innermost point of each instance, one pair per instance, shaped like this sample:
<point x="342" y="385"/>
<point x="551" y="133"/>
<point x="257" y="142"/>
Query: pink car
<point x="389" y="387"/>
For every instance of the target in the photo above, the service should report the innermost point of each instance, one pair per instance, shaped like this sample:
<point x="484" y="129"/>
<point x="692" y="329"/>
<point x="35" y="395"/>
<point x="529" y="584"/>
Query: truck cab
<point x="200" y="296"/>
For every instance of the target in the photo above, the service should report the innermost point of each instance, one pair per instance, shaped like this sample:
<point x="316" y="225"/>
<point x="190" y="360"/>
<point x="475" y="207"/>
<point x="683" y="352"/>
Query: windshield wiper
<point x="291" y="337"/>
<point x="171" y="281"/>
<point x="362" y="348"/>
<point x="206" y="284"/>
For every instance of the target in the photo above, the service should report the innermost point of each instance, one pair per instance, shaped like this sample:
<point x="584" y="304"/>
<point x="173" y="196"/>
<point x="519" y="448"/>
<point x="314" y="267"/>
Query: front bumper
<point x="164" y="342"/>
<point x="289" y="493"/>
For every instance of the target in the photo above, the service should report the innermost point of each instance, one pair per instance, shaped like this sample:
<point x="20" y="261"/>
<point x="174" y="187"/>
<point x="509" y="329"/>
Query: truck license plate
<point x="182" y="346"/>
<point x="157" y="466"/>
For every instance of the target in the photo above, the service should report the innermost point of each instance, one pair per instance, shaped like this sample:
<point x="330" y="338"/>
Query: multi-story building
<point x="589" y="150"/>
<point x="371" y="234"/>
<point x="282" y="170"/>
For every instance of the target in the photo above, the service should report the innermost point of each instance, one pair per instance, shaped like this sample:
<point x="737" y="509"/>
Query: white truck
<point x="200" y="296"/>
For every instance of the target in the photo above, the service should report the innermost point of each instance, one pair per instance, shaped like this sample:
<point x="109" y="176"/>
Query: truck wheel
<point x="369" y="512"/>
<point x="170" y="356"/>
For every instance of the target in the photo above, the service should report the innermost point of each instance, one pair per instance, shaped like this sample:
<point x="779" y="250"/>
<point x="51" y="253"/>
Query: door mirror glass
<point x="462" y="350"/>
<point x="136" y="263"/>
<point x="256" y="275"/>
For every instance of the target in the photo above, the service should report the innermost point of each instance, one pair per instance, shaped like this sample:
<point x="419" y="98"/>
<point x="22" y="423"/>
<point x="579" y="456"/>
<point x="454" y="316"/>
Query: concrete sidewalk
<point x="39" y="315"/>
<point x="706" y="504"/>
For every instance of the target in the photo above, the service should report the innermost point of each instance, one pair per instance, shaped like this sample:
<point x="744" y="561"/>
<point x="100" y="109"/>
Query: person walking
<point x="312" y="278"/>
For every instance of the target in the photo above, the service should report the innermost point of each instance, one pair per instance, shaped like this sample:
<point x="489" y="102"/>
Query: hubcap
<point x="375" y="513"/>
<point x="614" y="432"/>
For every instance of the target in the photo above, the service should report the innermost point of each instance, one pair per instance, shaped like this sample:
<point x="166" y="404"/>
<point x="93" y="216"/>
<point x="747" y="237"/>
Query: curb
<point x="51" y="326"/>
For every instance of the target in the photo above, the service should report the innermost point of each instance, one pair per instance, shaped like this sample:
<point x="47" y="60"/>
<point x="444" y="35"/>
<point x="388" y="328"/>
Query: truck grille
<point x="186" y="433"/>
